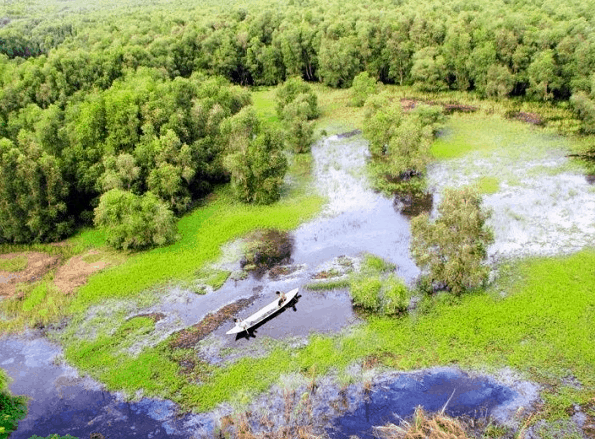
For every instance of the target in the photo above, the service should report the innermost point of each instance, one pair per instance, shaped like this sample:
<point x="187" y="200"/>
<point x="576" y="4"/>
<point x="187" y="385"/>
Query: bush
<point x="395" y="296"/>
<point x="363" y="86"/>
<point x="365" y="291"/>
<point x="266" y="248"/>
<point x="12" y="408"/>
<point x="453" y="248"/>
<point x="134" y="222"/>
<point x="290" y="91"/>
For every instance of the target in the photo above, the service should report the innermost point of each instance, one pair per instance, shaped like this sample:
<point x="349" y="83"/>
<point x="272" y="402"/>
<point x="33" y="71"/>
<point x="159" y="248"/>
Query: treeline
<point x="542" y="51"/>
<point x="144" y="133"/>
<point x="131" y="156"/>
<point x="137" y="103"/>
<point x="494" y="48"/>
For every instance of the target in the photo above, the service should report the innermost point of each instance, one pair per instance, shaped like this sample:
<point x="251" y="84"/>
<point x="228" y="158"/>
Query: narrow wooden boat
<point x="264" y="313"/>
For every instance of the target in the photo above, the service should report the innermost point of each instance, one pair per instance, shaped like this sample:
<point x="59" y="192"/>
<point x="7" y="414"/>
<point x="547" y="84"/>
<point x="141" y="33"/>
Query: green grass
<point x="16" y="263"/>
<point x="202" y="232"/>
<point x="543" y="327"/>
<point x="484" y="134"/>
<point x="328" y="285"/>
<point x="488" y="185"/>
<point x="265" y="104"/>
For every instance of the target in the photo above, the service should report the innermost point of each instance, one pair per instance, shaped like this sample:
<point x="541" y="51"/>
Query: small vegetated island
<point x="137" y="140"/>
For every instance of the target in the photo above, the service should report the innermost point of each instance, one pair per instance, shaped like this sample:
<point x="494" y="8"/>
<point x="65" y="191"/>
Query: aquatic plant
<point x="12" y="408"/>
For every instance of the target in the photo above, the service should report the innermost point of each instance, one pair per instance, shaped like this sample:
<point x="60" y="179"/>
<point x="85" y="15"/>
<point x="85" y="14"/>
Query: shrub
<point x="12" y="408"/>
<point x="395" y="296"/>
<point x="132" y="222"/>
<point x="375" y="264"/>
<point x="365" y="291"/>
<point x="299" y="130"/>
<point x="363" y="86"/>
<point x="290" y="91"/>
<point x="452" y="249"/>
<point x="266" y="248"/>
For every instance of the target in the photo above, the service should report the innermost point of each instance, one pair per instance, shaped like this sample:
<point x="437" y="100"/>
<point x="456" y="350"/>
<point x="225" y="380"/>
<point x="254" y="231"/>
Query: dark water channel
<point x="61" y="402"/>
<point x="396" y="399"/>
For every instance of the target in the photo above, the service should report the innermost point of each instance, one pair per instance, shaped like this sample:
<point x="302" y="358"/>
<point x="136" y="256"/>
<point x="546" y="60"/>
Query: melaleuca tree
<point x="298" y="129"/>
<point x="339" y="60"/>
<point x="363" y="86"/>
<point x="382" y="118"/>
<point x="134" y="221"/>
<point x="499" y="81"/>
<point x="452" y="249"/>
<point x="254" y="158"/>
<point x="33" y="193"/>
<point x="290" y="90"/>
<point x="542" y="74"/>
<point x="429" y="70"/>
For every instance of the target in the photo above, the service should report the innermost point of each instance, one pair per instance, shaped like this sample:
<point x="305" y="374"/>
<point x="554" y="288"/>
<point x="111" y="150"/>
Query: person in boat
<point x="239" y="322"/>
<point x="282" y="297"/>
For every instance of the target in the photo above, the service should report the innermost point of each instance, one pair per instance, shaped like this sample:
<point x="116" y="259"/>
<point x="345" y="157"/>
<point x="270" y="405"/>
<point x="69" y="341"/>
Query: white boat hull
<point x="264" y="313"/>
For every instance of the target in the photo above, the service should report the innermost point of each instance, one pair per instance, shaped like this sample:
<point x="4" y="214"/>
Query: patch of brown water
<point x="38" y="264"/>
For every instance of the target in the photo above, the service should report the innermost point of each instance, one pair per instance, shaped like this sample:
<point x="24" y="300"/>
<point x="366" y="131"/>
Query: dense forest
<point x="147" y="105"/>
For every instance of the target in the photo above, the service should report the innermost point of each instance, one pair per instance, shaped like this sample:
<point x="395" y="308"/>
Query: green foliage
<point x="365" y="292"/>
<point x="16" y="263"/>
<point x="428" y="70"/>
<point x="32" y="193"/>
<point x="339" y="60"/>
<point x="585" y="108"/>
<point x="296" y="89"/>
<point x="399" y="144"/>
<point x="12" y="408"/>
<point x="255" y="159"/>
<point x="134" y="222"/>
<point x="299" y="130"/>
<point x="363" y="86"/>
<point x="375" y="264"/>
<point x="395" y="296"/>
<point x="452" y="249"/>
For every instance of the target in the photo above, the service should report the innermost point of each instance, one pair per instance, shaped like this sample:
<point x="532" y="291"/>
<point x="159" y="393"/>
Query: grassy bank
<point x="542" y="327"/>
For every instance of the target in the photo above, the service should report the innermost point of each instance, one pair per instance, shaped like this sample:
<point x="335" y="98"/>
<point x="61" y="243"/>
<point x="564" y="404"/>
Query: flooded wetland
<point x="542" y="205"/>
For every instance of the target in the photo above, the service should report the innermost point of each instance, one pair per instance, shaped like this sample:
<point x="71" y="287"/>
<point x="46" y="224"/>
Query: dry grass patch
<point x="75" y="272"/>
<point x="425" y="426"/>
<point x="37" y="265"/>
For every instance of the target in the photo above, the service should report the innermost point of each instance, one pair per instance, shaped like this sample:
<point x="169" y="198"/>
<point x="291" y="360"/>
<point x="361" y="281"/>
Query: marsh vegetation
<point x="147" y="141"/>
